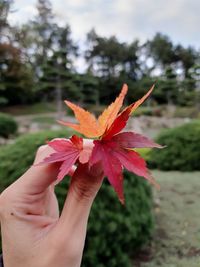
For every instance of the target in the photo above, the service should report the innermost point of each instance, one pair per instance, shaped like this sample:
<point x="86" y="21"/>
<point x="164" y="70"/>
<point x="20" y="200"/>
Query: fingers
<point x="51" y="204"/>
<point x="38" y="178"/>
<point x="71" y="172"/>
<point x="85" y="182"/>
<point x="84" y="186"/>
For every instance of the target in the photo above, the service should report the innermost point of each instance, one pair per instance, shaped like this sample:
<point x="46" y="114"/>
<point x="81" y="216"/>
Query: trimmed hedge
<point x="115" y="232"/>
<point x="8" y="126"/>
<point x="182" y="151"/>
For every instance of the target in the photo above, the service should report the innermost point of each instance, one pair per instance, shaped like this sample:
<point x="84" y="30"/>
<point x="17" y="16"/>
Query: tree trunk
<point x="58" y="98"/>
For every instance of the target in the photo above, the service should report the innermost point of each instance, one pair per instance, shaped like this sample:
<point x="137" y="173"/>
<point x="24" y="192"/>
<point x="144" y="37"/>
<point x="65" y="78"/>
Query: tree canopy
<point x="38" y="62"/>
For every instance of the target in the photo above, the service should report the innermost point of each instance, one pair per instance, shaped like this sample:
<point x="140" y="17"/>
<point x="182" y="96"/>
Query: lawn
<point x="36" y="108"/>
<point x="176" y="242"/>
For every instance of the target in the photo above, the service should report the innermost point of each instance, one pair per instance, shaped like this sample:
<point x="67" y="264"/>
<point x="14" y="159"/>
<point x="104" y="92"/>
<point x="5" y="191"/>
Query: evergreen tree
<point x="5" y="8"/>
<point x="15" y="75"/>
<point x="57" y="71"/>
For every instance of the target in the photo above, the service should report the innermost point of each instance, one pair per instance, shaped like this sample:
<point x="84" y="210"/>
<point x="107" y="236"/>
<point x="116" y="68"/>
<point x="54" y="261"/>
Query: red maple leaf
<point x="114" y="150"/>
<point x="67" y="152"/>
<point x="116" y="153"/>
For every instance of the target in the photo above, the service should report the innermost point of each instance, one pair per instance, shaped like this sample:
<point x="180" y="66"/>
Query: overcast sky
<point x="127" y="19"/>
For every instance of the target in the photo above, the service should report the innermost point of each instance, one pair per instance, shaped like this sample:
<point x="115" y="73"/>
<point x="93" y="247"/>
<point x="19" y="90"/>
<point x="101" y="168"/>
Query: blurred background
<point x="84" y="51"/>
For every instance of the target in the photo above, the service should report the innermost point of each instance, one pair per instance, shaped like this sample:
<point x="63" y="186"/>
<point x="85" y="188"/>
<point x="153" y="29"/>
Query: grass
<point x="44" y="119"/>
<point x="49" y="107"/>
<point x="37" y="108"/>
<point x="176" y="242"/>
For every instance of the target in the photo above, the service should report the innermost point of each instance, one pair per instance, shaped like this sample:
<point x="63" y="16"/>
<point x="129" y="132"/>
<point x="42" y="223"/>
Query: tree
<point x="187" y="57"/>
<point x="15" y="77"/>
<point x="5" y="6"/>
<point x="88" y="86"/>
<point x="114" y="62"/>
<point x="56" y="76"/>
<point x="168" y="91"/>
<point x="103" y="55"/>
<point x="43" y="26"/>
<point x="161" y="50"/>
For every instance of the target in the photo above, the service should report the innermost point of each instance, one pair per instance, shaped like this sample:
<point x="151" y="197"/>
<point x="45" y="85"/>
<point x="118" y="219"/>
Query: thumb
<point x="37" y="178"/>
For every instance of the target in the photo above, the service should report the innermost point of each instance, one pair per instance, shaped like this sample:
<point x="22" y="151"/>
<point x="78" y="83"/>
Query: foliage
<point x="5" y="6"/>
<point x="117" y="232"/>
<point x="15" y="76"/>
<point x="23" y="150"/>
<point x="87" y="85"/>
<point x="144" y="153"/>
<point x="114" y="231"/>
<point x="168" y="87"/>
<point x="57" y="76"/>
<point x="182" y="151"/>
<point x="38" y="61"/>
<point x="8" y="126"/>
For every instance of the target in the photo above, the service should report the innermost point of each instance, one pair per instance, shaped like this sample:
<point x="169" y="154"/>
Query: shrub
<point x="8" y="125"/>
<point x="144" y="153"/>
<point x="182" y="151"/>
<point x="3" y="101"/>
<point x="114" y="231"/>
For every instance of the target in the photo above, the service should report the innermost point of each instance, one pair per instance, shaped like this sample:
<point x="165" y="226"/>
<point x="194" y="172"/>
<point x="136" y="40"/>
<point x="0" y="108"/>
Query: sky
<point x="127" y="19"/>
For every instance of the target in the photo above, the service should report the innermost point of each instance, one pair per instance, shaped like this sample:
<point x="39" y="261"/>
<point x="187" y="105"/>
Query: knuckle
<point x="41" y="149"/>
<point x="81" y="193"/>
<point x="39" y="154"/>
<point x="84" y="190"/>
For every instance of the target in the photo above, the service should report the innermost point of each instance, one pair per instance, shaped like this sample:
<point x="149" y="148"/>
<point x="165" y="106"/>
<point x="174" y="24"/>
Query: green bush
<point x="182" y="151"/>
<point x="144" y="153"/>
<point x="114" y="231"/>
<point x="8" y="125"/>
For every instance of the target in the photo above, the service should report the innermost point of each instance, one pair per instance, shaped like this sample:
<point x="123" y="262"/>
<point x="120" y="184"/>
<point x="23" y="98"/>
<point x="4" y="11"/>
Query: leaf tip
<point x="153" y="181"/>
<point x="60" y="122"/>
<point x="122" y="201"/>
<point x="67" y="102"/>
<point x="159" y="146"/>
<point x="125" y="88"/>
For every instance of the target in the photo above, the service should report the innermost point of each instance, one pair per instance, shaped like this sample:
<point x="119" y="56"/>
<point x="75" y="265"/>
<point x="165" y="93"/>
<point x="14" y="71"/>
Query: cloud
<point x="22" y="11"/>
<point x="127" y="19"/>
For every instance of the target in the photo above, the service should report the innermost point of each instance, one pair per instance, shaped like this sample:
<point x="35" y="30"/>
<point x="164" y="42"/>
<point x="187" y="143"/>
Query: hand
<point x="33" y="233"/>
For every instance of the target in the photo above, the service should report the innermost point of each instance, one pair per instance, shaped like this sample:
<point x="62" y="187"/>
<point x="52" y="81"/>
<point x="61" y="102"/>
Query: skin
<point x="33" y="232"/>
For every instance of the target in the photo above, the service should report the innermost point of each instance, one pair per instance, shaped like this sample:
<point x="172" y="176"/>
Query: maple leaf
<point x="88" y="125"/>
<point x="121" y="120"/>
<point x="106" y="119"/>
<point x="67" y="152"/>
<point x="114" y="149"/>
<point x="116" y="153"/>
